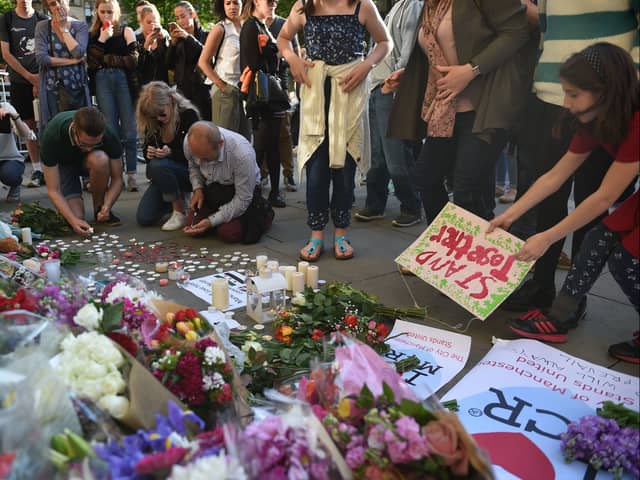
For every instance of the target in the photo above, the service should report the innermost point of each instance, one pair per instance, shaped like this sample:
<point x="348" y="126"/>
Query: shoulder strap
<point x="224" y="32"/>
<point x="357" y="10"/>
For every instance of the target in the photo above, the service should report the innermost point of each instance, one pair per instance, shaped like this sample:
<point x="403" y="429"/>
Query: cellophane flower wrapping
<point x="34" y="405"/>
<point x="380" y="427"/>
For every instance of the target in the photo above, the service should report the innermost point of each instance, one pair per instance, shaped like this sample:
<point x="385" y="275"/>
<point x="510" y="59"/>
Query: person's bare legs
<point x="99" y="174"/>
<point x="77" y="206"/>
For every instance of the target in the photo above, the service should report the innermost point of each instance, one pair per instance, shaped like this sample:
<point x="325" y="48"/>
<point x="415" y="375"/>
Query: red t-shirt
<point x="626" y="218"/>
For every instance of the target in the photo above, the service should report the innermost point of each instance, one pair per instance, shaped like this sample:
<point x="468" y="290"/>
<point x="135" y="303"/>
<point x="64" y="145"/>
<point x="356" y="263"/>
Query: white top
<point x="228" y="65"/>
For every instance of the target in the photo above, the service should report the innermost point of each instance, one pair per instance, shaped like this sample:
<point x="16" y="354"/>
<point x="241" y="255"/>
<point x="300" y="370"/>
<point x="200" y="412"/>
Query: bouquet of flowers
<point x="40" y="219"/>
<point x="60" y="302"/>
<point x="12" y="298"/>
<point x="197" y="373"/>
<point x="90" y="365"/>
<point x="177" y="447"/>
<point x="379" y="426"/>
<point x="608" y="441"/>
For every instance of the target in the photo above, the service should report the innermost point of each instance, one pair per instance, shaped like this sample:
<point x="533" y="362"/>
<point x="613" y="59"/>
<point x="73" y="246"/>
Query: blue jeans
<point x="319" y="179"/>
<point x="391" y="158"/>
<point x="169" y="182"/>
<point x="11" y="172"/>
<point x="114" y="99"/>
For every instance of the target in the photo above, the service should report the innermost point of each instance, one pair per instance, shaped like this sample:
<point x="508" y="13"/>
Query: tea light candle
<point x="302" y="268"/>
<point x="297" y="282"/>
<point x="313" y="274"/>
<point x="220" y="293"/>
<point x="26" y="236"/>
<point x="173" y="271"/>
<point x="162" y="267"/>
<point x="261" y="261"/>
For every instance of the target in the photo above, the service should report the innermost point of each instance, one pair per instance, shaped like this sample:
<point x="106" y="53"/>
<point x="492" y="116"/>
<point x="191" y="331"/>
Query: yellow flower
<point x="344" y="408"/>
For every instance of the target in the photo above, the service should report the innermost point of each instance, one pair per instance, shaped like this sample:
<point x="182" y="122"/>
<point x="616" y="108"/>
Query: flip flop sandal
<point x="340" y="241"/>
<point x="317" y="245"/>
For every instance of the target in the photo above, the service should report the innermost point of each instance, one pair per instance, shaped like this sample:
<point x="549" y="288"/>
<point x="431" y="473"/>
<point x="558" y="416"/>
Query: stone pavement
<point x="610" y="318"/>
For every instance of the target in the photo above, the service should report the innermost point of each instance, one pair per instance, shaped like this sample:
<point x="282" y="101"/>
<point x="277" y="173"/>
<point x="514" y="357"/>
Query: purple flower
<point x="355" y="457"/>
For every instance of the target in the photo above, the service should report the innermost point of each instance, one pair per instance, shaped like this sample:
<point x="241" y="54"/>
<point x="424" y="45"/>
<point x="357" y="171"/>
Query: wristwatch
<point x="65" y="30"/>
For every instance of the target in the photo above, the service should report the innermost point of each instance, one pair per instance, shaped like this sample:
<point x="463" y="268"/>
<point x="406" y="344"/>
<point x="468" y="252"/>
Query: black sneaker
<point x="367" y="215"/>
<point x="628" y="351"/>
<point x="538" y="325"/>
<point x="277" y="201"/>
<point x="406" y="220"/>
<point x="529" y="297"/>
<point x="37" y="179"/>
<point x="290" y="184"/>
<point x="14" y="194"/>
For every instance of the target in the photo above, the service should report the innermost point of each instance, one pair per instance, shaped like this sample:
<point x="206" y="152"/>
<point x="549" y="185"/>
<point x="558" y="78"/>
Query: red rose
<point x="351" y="320"/>
<point x="443" y="440"/>
<point x="382" y="330"/>
<point x="180" y="316"/>
<point x="161" y="461"/>
<point x="317" y="334"/>
<point x="191" y="313"/>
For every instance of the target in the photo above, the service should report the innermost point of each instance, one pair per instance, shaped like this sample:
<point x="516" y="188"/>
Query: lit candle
<point x="220" y="292"/>
<point x="302" y="268"/>
<point x="297" y="282"/>
<point x="261" y="261"/>
<point x="162" y="267"/>
<point x="313" y="273"/>
<point x="26" y="236"/>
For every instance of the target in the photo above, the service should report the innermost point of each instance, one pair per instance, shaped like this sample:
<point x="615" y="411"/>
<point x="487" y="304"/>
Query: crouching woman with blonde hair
<point x="164" y="117"/>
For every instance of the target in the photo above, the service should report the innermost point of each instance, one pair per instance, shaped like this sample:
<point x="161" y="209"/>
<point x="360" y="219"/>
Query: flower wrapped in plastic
<point x="177" y="447"/>
<point x="19" y="328"/>
<point x="379" y="425"/>
<point x="34" y="406"/>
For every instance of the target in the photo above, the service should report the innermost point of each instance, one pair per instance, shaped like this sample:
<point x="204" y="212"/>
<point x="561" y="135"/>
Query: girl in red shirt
<point x="602" y="92"/>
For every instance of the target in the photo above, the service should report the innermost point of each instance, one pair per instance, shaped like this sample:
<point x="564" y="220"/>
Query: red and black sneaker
<point x="539" y="326"/>
<point x="628" y="351"/>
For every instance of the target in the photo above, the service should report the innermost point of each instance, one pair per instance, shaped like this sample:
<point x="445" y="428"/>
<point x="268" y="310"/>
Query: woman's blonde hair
<point x="153" y="98"/>
<point x="97" y="24"/>
<point x="147" y="9"/>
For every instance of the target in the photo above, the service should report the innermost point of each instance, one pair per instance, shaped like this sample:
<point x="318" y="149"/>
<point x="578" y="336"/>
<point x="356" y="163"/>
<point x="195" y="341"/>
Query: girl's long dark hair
<point x="609" y="72"/>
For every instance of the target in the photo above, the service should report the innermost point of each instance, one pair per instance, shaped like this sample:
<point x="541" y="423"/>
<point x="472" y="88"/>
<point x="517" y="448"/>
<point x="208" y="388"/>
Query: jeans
<point x="11" y="172"/>
<point x="506" y="170"/>
<point x="112" y="92"/>
<point x="169" y="182"/>
<point x="319" y="179"/>
<point x="600" y="247"/>
<point x="391" y="158"/>
<point x="473" y="169"/>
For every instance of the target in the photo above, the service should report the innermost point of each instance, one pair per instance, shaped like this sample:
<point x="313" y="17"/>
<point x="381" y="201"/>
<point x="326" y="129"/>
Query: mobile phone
<point x="172" y="26"/>
<point x="156" y="30"/>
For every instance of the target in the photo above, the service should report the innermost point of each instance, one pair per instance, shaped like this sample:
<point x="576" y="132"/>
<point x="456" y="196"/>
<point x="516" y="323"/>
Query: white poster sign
<point x="442" y="355"/>
<point x="519" y="399"/>
<point x="201" y="288"/>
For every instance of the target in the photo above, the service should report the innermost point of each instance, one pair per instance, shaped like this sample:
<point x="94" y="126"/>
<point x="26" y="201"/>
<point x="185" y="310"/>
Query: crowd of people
<point x="431" y="100"/>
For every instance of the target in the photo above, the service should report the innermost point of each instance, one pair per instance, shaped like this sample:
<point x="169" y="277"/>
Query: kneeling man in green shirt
<point x="76" y="144"/>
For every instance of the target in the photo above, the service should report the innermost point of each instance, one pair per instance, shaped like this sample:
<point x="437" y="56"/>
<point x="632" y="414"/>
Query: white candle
<point x="52" y="267"/>
<point x="313" y="274"/>
<point x="288" y="275"/>
<point x="26" y="236"/>
<point x="302" y="268"/>
<point x="297" y="282"/>
<point x="220" y="292"/>
<point x="162" y="267"/>
<point x="261" y="261"/>
<point x="273" y="265"/>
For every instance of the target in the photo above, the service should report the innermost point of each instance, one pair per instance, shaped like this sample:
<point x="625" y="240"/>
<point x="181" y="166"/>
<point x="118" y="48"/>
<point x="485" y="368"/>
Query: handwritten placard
<point x="442" y="355"/>
<point x="456" y="256"/>
<point x="519" y="399"/>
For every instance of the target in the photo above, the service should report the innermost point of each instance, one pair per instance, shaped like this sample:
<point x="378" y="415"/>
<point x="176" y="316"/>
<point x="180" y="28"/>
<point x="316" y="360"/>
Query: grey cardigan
<point x="487" y="33"/>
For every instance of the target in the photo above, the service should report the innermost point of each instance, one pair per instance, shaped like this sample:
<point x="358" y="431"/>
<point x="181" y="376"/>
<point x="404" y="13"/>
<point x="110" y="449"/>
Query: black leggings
<point x="266" y="136"/>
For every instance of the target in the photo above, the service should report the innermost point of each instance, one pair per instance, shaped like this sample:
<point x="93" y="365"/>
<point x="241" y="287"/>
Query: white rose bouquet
<point x="90" y="365"/>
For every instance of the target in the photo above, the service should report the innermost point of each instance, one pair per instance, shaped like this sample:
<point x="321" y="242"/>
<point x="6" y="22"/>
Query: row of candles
<point x="297" y="278"/>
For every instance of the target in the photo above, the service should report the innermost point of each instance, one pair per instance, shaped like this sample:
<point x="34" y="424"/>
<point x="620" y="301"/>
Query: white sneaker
<point x="175" y="222"/>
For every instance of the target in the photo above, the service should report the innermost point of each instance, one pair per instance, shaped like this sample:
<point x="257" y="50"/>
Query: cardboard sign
<point x="201" y="288"/>
<point x="475" y="270"/>
<point x="519" y="399"/>
<point x="442" y="355"/>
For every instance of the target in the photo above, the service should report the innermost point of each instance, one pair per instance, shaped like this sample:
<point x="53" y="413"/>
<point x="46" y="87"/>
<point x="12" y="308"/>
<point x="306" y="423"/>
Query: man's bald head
<point x="205" y="140"/>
